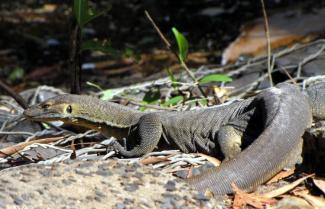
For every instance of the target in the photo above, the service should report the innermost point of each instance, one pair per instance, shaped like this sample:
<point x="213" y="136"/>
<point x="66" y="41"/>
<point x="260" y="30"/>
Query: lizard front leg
<point x="149" y="132"/>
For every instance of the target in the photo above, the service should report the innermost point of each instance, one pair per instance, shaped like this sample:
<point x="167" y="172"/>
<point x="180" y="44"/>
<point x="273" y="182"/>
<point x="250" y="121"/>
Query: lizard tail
<point x="287" y="114"/>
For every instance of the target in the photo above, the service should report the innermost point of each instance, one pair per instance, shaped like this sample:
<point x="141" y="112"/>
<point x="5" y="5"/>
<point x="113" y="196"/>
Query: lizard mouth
<point x="35" y="113"/>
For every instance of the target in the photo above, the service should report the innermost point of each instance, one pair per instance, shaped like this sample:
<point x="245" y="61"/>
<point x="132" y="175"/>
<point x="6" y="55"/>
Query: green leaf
<point x="203" y="102"/>
<point x="96" y="45"/>
<point x="174" y="101"/>
<point x="94" y="85"/>
<point x="151" y="97"/>
<point x="80" y="9"/>
<point x="215" y="78"/>
<point x="182" y="45"/>
<point x="107" y="94"/>
<point x="84" y="13"/>
<point x="16" y="74"/>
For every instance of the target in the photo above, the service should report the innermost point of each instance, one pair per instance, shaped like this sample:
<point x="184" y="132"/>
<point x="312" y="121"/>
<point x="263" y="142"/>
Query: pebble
<point x="96" y="184"/>
<point x="170" y="186"/>
<point x="131" y="187"/>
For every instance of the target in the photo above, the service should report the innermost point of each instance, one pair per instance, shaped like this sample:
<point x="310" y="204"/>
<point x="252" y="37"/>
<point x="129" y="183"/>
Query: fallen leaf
<point x="286" y="188"/>
<point x="316" y="202"/>
<point x="284" y="30"/>
<point x="212" y="160"/>
<point x="281" y="175"/>
<point x="292" y="202"/>
<point x="241" y="199"/>
<point x="320" y="183"/>
<point x="153" y="160"/>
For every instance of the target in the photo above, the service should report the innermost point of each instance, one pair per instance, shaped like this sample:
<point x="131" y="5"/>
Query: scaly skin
<point x="276" y="118"/>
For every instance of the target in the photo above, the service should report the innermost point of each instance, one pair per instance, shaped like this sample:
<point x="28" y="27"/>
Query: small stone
<point x="2" y="204"/>
<point x="106" y="182"/>
<point x="98" y="199"/>
<point x="138" y="175"/>
<point x="26" y="197"/>
<point x="201" y="196"/>
<point x="66" y="182"/>
<point x="82" y="172"/>
<point x="103" y="172"/>
<point x="86" y="164"/>
<point x="128" y="201"/>
<point x="181" y="174"/>
<point x="45" y="172"/>
<point x="131" y="187"/>
<point x="88" y="197"/>
<point x="155" y="174"/>
<point x="24" y="179"/>
<point x="40" y="191"/>
<point x="170" y="186"/>
<point x="99" y="193"/>
<point x="120" y="206"/>
<point x="18" y="200"/>
<point x="72" y="179"/>
<point x="3" y="181"/>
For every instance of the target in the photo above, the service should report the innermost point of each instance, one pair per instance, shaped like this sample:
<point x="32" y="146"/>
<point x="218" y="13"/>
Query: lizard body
<point x="277" y="118"/>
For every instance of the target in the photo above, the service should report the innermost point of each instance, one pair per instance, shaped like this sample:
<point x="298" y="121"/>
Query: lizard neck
<point x="96" y="111"/>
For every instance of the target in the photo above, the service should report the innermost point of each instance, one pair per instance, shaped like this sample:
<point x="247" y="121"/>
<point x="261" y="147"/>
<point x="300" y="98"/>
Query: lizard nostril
<point x="69" y="109"/>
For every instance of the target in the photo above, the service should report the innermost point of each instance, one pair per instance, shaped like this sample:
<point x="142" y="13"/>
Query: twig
<point x="289" y="76"/>
<point x="309" y="58"/>
<point x="168" y="46"/>
<point x="267" y="32"/>
<point x="13" y="94"/>
<point x="16" y="133"/>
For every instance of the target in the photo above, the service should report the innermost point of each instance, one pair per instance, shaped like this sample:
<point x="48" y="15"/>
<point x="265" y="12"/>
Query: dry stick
<point x="308" y="59"/>
<point x="13" y="94"/>
<point x="13" y="149"/>
<point x="289" y="76"/>
<point x="267" y="32"/>
<point x="168" y="46"/>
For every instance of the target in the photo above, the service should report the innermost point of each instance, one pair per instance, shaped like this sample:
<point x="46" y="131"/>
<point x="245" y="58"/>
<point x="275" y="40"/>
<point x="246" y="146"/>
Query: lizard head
<point x="59" y="108"/>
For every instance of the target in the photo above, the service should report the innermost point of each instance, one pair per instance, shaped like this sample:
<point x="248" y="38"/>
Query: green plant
<point x="182" y="44"/>
<point x="16" y="74"/>
<point x="214" y="77"/>
<point x="83" y="13"/>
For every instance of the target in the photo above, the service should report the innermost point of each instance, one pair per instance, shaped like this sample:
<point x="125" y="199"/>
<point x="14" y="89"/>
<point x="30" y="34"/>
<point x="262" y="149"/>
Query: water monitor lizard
<point x="276" y="118"/>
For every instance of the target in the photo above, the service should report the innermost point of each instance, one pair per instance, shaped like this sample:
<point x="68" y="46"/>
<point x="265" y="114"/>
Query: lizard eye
<point x="69" y="109"/>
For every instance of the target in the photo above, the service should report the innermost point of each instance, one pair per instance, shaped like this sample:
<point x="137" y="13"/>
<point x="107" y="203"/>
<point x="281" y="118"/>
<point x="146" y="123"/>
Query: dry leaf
<point x="281" y="175"/>
<point x="286" y="188"/>
<point x="292" y="202"/>
<point x="316" y="202"/>
<point x="241" y="199"/>
<point x="284" y="30"/>
<point x="212" y="160"/>
<point x="320" y="183"/>
<point x="153" y="160"/>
